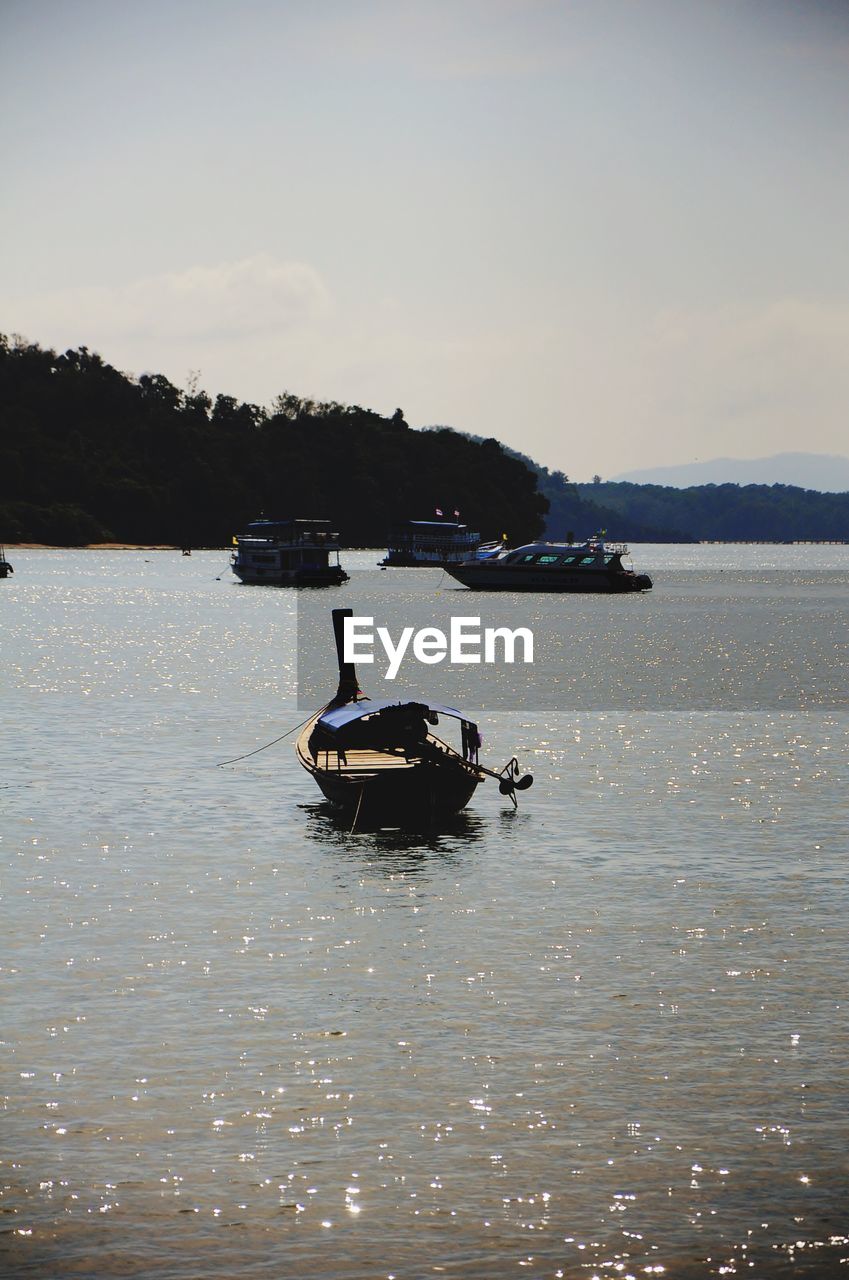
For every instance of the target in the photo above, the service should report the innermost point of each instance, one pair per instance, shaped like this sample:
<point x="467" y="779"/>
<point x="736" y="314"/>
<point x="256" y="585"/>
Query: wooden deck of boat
<point x="363" y="760"/>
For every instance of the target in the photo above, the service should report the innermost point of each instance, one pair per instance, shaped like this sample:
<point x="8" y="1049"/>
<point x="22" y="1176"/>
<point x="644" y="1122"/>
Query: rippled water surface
<point x="602" y="1036"/>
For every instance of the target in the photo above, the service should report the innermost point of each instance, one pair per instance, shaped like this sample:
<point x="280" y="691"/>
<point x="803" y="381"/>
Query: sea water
<point x="602" y="1035"/>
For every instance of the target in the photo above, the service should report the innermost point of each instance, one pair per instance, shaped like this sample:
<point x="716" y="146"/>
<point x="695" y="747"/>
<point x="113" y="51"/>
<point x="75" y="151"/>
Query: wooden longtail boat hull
<point x="379" y="786"/>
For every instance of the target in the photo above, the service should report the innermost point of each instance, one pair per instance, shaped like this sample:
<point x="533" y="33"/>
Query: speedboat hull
<point x="488" y="575"/>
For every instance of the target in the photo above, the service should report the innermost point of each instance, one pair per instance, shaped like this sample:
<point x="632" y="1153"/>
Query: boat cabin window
<point x="588" y="559"/>
<point x="528" y="559"/>
<point x="548" y="559"/>
<point x="569" y="559"/>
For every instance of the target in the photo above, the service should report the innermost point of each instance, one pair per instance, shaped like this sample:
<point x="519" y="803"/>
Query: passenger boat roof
<point x="338" y="717"/>
<point x="450" y="525"/>
<point x="284" y="523"/>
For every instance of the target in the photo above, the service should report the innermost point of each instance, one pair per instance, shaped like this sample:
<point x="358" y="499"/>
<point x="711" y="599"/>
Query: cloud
<point x="231" y="300"/>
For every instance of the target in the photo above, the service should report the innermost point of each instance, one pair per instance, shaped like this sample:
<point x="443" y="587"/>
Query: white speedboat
<point x="594" y="565"/>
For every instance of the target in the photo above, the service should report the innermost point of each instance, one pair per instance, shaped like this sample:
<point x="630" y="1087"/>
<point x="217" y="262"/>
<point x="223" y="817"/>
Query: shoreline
<point x="103" y="546"/>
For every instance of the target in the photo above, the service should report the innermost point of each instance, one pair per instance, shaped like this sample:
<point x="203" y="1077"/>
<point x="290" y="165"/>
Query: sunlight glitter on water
<point x="588" y="1037"/>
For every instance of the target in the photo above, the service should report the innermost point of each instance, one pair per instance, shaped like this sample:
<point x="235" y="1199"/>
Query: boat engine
<point x="510" y="782"/>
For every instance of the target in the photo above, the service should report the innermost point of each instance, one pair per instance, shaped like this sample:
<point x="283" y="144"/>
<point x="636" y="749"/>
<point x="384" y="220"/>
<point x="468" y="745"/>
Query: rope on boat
<point x="359" y="802"/>
<point x="248" y="754"/>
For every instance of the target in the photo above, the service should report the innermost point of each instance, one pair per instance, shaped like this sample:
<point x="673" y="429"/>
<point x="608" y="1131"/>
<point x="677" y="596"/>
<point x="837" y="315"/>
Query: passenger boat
<point x="594" y="565"/>
<point x="429" y="542"/>
<point x="383" y="762"/>
<point x="5" y="566"/>
<point x="296" y="553"/>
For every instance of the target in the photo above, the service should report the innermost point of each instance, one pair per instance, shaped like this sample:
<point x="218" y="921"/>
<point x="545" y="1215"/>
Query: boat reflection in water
<point x="381" y="761"/>
<point x="398" y="849"/>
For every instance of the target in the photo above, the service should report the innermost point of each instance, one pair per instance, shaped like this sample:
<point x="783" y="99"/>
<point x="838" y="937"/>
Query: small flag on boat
<point x="456" y="513"/>
<point x="235" y="541"/>
<point x="439" y="511"/>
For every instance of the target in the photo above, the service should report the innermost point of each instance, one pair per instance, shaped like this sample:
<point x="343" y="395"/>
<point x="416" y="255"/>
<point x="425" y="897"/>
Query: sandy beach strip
<point x="103" y="546"/>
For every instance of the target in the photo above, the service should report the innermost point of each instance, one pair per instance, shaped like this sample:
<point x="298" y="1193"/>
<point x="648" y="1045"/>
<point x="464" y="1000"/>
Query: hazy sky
<point x="610" y="233"/>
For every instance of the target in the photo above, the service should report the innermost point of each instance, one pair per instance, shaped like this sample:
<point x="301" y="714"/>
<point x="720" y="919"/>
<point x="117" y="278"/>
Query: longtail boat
<point x="382" y="760"/>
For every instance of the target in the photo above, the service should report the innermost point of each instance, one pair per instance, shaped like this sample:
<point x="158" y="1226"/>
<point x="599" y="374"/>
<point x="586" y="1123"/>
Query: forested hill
<point x="572" y="513"/>
<point x="710" y="512"/>
<point x="88" y="454"/>
<point x="570" y="510"/>
<point x="728" y="512"/>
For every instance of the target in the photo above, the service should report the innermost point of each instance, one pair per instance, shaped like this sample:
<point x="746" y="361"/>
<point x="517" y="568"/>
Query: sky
<point x="610" y="233"/>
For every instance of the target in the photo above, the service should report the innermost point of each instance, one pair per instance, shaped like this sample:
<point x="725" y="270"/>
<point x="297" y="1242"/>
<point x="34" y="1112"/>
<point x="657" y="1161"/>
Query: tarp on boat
<point x="338" y="717"/>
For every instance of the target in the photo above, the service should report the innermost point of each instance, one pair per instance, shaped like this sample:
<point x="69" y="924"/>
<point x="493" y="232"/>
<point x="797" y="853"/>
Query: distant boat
<point x="436" y="543"/>
<point x="5" y="566"/>
<point x="382" y="761"/>
<point x="594" y="565"/>
<point x="288" y="553"/>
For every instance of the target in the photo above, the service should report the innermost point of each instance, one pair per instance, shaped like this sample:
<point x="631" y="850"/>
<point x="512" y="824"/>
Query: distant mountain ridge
<point x="727" y="512"/>
<point x="822" y="472"/>
<point x="667" y="513"/>
<point x="579" y="511"/>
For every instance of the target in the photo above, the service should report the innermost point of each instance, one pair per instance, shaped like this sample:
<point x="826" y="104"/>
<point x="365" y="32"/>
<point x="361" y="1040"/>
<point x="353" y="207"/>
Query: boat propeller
<point x="510" y="782"/>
